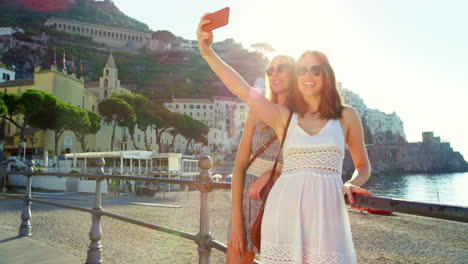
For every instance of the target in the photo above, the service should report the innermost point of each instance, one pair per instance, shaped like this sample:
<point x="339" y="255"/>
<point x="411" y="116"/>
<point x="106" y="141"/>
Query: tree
<point x="68" y="117"/>
<point x="117" y="112"/>
<point x="139" y="104"/>
<point x="37" y="108"/>
<point x="3" y="113"/>
<point x="161" y="120"/>
<point x="91" y="125"/>
<point x="3" y="108"/>
<point x="178" y="125"/>
<point x="194" y="130"/>
<point x="144" y="121"/>
<point x="262" y="48"/>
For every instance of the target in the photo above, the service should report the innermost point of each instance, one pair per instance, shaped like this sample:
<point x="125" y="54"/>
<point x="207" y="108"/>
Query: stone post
<point x="25" y="227"/>
<point x="95" y="248"/>
<point x="204" y="236"/>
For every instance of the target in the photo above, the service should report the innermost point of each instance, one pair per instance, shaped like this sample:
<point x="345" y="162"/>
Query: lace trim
<point x="322" y="171"/>
<point x="330" y="157"/>
<point x="271" y="254"/>
<point x="260" y="166"/>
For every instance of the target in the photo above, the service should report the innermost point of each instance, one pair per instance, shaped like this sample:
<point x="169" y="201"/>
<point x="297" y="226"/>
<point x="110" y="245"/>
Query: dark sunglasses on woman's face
<point x="316" y="70"/>
<point x="279" y="69"/>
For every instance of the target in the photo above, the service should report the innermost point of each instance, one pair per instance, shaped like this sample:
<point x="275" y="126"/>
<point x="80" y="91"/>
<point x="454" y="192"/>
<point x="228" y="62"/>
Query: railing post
<point x="204" y="236"/>
<point x="95" y="248"/>
<point x="25" y="227"/>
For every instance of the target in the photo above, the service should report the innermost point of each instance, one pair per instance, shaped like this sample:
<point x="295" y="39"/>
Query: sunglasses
<point x="279" y="69"/>
<point x="316" y="70"/>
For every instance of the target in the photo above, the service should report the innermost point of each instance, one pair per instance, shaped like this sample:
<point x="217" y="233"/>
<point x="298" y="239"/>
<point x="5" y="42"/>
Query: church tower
<point x="109" y="82"/>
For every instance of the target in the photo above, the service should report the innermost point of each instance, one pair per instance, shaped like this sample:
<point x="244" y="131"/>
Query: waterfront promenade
<point x="378" y="239"/>
<point x="25" y="250"/>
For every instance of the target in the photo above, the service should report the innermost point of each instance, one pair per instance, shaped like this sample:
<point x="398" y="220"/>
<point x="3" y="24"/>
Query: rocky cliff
<point x="418" y="157"/>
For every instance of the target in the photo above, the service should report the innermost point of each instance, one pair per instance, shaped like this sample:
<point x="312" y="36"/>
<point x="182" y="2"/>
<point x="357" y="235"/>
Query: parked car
<point x="146" y="188"/>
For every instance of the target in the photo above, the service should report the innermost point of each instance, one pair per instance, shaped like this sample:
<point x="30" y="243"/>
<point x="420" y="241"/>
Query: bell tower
<point x="109" y="82"/>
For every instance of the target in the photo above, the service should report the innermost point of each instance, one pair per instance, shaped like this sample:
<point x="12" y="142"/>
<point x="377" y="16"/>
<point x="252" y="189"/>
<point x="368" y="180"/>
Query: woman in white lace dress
<point x="305" y="219"/>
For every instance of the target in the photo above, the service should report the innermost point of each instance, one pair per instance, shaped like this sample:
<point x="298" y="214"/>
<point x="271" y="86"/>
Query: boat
<point x="376" y="211"/>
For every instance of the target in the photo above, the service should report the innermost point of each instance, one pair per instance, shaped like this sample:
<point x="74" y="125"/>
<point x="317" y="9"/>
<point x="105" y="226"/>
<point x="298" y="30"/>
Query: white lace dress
<point x="306" y="219"/>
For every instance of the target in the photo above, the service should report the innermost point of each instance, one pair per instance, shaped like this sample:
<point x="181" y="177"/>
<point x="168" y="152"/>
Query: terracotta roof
<point x="18" y="82"/>
<point x="91" y="84"/>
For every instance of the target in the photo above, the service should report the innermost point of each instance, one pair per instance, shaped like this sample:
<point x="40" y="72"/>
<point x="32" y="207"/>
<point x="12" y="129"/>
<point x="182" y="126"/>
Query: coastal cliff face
<point x="419" y="157"/>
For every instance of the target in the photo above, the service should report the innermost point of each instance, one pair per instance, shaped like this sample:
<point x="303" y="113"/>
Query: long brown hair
<point x="331" y="104"/>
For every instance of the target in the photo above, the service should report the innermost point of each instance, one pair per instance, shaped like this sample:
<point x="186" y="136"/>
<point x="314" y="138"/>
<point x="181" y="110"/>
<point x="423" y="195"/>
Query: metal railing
<point x="203" y="238"/>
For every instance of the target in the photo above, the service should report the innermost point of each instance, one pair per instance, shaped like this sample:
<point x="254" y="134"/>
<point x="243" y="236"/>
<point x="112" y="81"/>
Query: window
<point x="204" y="114"/>
<point x="211" y="107"/>
<point x="198" y="114"/>
<point x="177" y="106"/>
<point x="198" y="106"/>
<point x="204" y="106"/>
<point x="191" y="106"/>
<point x="185" y="106"/>
<point x="105" y="93"/>
<point x="190" y="113"/>
<point x="106" y="83"/>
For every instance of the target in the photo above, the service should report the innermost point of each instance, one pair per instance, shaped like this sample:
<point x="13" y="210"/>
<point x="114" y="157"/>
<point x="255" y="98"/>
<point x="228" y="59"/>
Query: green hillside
<point x="83" y="10"/>
<point x="179" y="74"/>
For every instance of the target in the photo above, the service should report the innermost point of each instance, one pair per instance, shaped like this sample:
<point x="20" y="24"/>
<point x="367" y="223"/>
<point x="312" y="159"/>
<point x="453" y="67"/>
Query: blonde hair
<point x="269" y="93"/>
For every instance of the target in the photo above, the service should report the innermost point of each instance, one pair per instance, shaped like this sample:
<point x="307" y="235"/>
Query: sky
<point x="410" y="57"/>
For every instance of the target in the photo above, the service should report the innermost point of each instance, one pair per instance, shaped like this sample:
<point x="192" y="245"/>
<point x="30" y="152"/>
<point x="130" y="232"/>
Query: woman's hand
<point x="237" y="240"/>
<point x="257" y="186"/>
<point x="350" y="189"/>
<point x="205" y="38"/>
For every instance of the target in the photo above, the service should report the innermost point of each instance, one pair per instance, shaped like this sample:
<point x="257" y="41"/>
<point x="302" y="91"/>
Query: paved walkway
<point x="15" y="250"/>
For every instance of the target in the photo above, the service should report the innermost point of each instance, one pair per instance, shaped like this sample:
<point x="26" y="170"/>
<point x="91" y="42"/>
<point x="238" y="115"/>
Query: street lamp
<point x="23" y="147"/>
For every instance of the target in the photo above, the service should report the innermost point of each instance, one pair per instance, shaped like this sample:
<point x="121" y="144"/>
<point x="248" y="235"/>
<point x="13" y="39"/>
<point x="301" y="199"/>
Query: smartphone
<point x="218" y="19"/>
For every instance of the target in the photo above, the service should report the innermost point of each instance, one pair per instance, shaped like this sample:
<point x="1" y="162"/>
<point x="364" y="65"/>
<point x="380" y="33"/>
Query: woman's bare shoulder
<point x="350" y="114"/>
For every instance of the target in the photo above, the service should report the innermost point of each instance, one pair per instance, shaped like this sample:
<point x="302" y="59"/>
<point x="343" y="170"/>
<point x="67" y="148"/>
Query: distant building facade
<point x="225" y="116"/>
<point x="114" y="37"/>
<point x="6" y="75"/>
<point x="383" y="127"/>
<point x="74" y="91"/>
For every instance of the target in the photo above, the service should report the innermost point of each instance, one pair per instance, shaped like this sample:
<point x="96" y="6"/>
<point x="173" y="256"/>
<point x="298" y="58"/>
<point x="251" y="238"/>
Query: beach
<point x="397" y="238"/>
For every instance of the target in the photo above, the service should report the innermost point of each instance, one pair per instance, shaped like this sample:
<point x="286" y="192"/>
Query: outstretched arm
<point x="273" y="115"/>
<point x="357" y="148"/>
